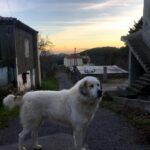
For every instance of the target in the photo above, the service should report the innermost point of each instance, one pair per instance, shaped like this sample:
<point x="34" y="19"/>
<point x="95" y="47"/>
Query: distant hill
<point x="108" y="56"/>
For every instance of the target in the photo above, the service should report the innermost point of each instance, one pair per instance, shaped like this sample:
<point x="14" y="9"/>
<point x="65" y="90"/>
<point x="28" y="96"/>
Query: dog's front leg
<point x="36" y="145"/>
<point x="22" y="136"/>
<point x="78" y="138"/>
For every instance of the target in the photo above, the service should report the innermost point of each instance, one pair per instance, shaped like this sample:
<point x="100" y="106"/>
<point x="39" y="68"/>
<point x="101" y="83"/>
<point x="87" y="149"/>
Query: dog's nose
<point x="99" y="93"/>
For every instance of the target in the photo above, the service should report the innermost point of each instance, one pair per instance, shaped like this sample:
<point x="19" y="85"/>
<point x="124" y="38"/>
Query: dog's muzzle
<point x="99" y="93"/>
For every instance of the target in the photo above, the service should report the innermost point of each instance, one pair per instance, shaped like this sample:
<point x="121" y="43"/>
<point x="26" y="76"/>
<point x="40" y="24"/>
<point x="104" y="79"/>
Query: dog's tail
<point x="12" y="101"/>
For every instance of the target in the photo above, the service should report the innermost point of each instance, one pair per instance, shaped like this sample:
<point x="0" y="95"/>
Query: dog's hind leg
<point x="36" y="145"/>
<point x="22" y="136"/>
<point x="78" y="138"/>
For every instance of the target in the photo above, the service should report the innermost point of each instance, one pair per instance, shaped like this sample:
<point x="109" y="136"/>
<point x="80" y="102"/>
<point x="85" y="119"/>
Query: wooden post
<point x="105" y="73"/>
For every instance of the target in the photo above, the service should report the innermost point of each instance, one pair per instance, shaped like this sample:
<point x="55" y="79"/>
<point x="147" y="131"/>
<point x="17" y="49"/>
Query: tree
<point x="44" y="44"/>
<point x="46" y="59"/>
<point x="108" y="56"/>
<point x="137" y="26"/>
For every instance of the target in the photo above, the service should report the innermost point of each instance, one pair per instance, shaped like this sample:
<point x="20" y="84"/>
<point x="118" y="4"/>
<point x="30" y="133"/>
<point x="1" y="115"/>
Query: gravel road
<point x="107" y="131"/>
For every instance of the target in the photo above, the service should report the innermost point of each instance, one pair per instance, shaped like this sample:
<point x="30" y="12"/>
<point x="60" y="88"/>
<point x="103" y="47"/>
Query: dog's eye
<point x="98" y="84"/>
<point x="91" y="86"/>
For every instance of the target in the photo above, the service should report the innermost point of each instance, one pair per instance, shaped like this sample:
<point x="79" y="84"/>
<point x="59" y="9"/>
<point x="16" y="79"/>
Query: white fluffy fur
<point x="68" y="107"/>
<point x="9" y="101"/>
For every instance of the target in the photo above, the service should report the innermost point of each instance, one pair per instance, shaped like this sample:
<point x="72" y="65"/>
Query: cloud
<point x="103" y="32"/>
<point x="111" y="3"/>
<point x="9" y="7"/>
<point x="81" y="23"/>
<point x="80" y="19"/>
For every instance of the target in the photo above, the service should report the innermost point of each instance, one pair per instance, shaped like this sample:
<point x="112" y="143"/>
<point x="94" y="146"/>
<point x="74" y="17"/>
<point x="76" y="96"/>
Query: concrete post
<point x="37" y="63"/>
<point x="105" y="73"/>
<point x="146" y="22"/>
<point x="146" y="12"/>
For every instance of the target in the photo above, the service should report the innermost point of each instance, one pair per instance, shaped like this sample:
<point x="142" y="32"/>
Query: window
<point x="27" y="47"/>
<point x="24" y="78"/>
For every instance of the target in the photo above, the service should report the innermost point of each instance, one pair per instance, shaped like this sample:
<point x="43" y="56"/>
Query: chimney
<point x="146" y="22"/>
<point x="146" y="13"/>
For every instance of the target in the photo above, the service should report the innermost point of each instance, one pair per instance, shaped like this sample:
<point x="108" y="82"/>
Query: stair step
<point x="147" y="75"/>
<point x="147" y="79"/>
<point x="142" y="82"/>
<point x="142" y="62"/>
<point x="135" y="90"/>
<point x="147" y="67"/>
<point x="137" y="85"/>
<point x="126" y="93"/>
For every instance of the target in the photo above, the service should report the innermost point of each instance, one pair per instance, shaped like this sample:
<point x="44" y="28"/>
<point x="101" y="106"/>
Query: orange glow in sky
<point x="80" y="24"/>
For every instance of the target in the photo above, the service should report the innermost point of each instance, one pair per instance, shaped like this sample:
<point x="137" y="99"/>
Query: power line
<point x="10" y="11"/>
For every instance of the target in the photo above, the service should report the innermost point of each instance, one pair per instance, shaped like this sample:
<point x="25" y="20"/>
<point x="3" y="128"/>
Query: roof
<point x="16" y="22"/>
<point x="100" y="69"/>
<point x="73" y="56"/>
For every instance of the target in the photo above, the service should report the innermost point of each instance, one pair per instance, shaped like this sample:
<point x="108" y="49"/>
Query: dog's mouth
<point x="97" y="98"/>
<point x="99" y="94"/>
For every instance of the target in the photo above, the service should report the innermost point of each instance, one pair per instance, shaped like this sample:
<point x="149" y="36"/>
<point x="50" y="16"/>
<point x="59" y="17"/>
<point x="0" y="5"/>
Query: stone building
<point x="19" y="59"/>
<point x="73" y="60"/>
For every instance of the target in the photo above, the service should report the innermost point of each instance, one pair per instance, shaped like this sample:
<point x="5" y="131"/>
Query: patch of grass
<point x="141" y="120"/>
<point x="3" y="93"/>
<point x="136" y="117"/>
<point x="6" y="115"/>
<point x="108" y="103"/>
<point x="49" y="84"/>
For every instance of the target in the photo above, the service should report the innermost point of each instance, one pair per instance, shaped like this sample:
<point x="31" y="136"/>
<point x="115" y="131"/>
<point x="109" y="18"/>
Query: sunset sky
<point x="76" y="23"/>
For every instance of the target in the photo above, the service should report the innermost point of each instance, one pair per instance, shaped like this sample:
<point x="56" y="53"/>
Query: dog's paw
<point x="86" y="147"/>
<point x="38" y="147"/>
<point x="22" y="148"/>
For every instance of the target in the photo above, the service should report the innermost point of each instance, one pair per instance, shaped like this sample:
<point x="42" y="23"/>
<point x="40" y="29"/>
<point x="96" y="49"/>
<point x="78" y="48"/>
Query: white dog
<point x="74" y="107"/>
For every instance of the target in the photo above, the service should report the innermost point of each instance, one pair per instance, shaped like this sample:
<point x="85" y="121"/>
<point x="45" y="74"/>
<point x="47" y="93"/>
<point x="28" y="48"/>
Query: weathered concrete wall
<point x="146" y="12"/>
<point x="36" y="57"/>
<point x="33" y="78"/>
<point x="21" y="85"/>
<point x="146" y="20"/>
<point x="24" y="63"/>
<point x="3" y="76"/>
<point x="135" y="69"/>
<point x="134" y="103"/>
<point x="68" y="62"/>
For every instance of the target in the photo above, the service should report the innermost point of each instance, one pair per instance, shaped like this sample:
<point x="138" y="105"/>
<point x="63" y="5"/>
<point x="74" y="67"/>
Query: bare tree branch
<point x="44" y="44"/>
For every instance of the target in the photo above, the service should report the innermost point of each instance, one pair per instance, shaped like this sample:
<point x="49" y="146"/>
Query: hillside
<point x="108" y="56"/>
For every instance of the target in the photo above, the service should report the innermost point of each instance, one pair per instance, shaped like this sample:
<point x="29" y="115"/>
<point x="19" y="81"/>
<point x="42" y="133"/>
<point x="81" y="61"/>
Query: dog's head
<point x="90" y="87"/>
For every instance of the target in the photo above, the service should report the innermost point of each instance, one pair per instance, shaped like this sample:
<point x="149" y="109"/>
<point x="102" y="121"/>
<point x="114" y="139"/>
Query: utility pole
<point x="75" y="57"/>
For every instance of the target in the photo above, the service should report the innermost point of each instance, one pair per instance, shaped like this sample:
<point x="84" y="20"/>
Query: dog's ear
<point x="83" y="88"/>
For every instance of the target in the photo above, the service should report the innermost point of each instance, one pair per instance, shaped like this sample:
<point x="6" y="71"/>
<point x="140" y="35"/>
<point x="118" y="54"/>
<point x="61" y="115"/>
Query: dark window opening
<point x="24" y="78"/>
<point x="8" y="33"/>
<point x="27" y="48"/>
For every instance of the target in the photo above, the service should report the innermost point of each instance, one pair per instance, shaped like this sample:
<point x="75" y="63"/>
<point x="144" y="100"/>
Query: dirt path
<point x="107" y="131"/>
<point x="63" y="80"/>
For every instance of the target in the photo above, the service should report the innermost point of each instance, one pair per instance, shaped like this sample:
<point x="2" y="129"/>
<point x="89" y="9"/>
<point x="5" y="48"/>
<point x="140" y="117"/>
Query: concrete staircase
<point x="142" y="85"/>
<point x="140" y="50"/>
